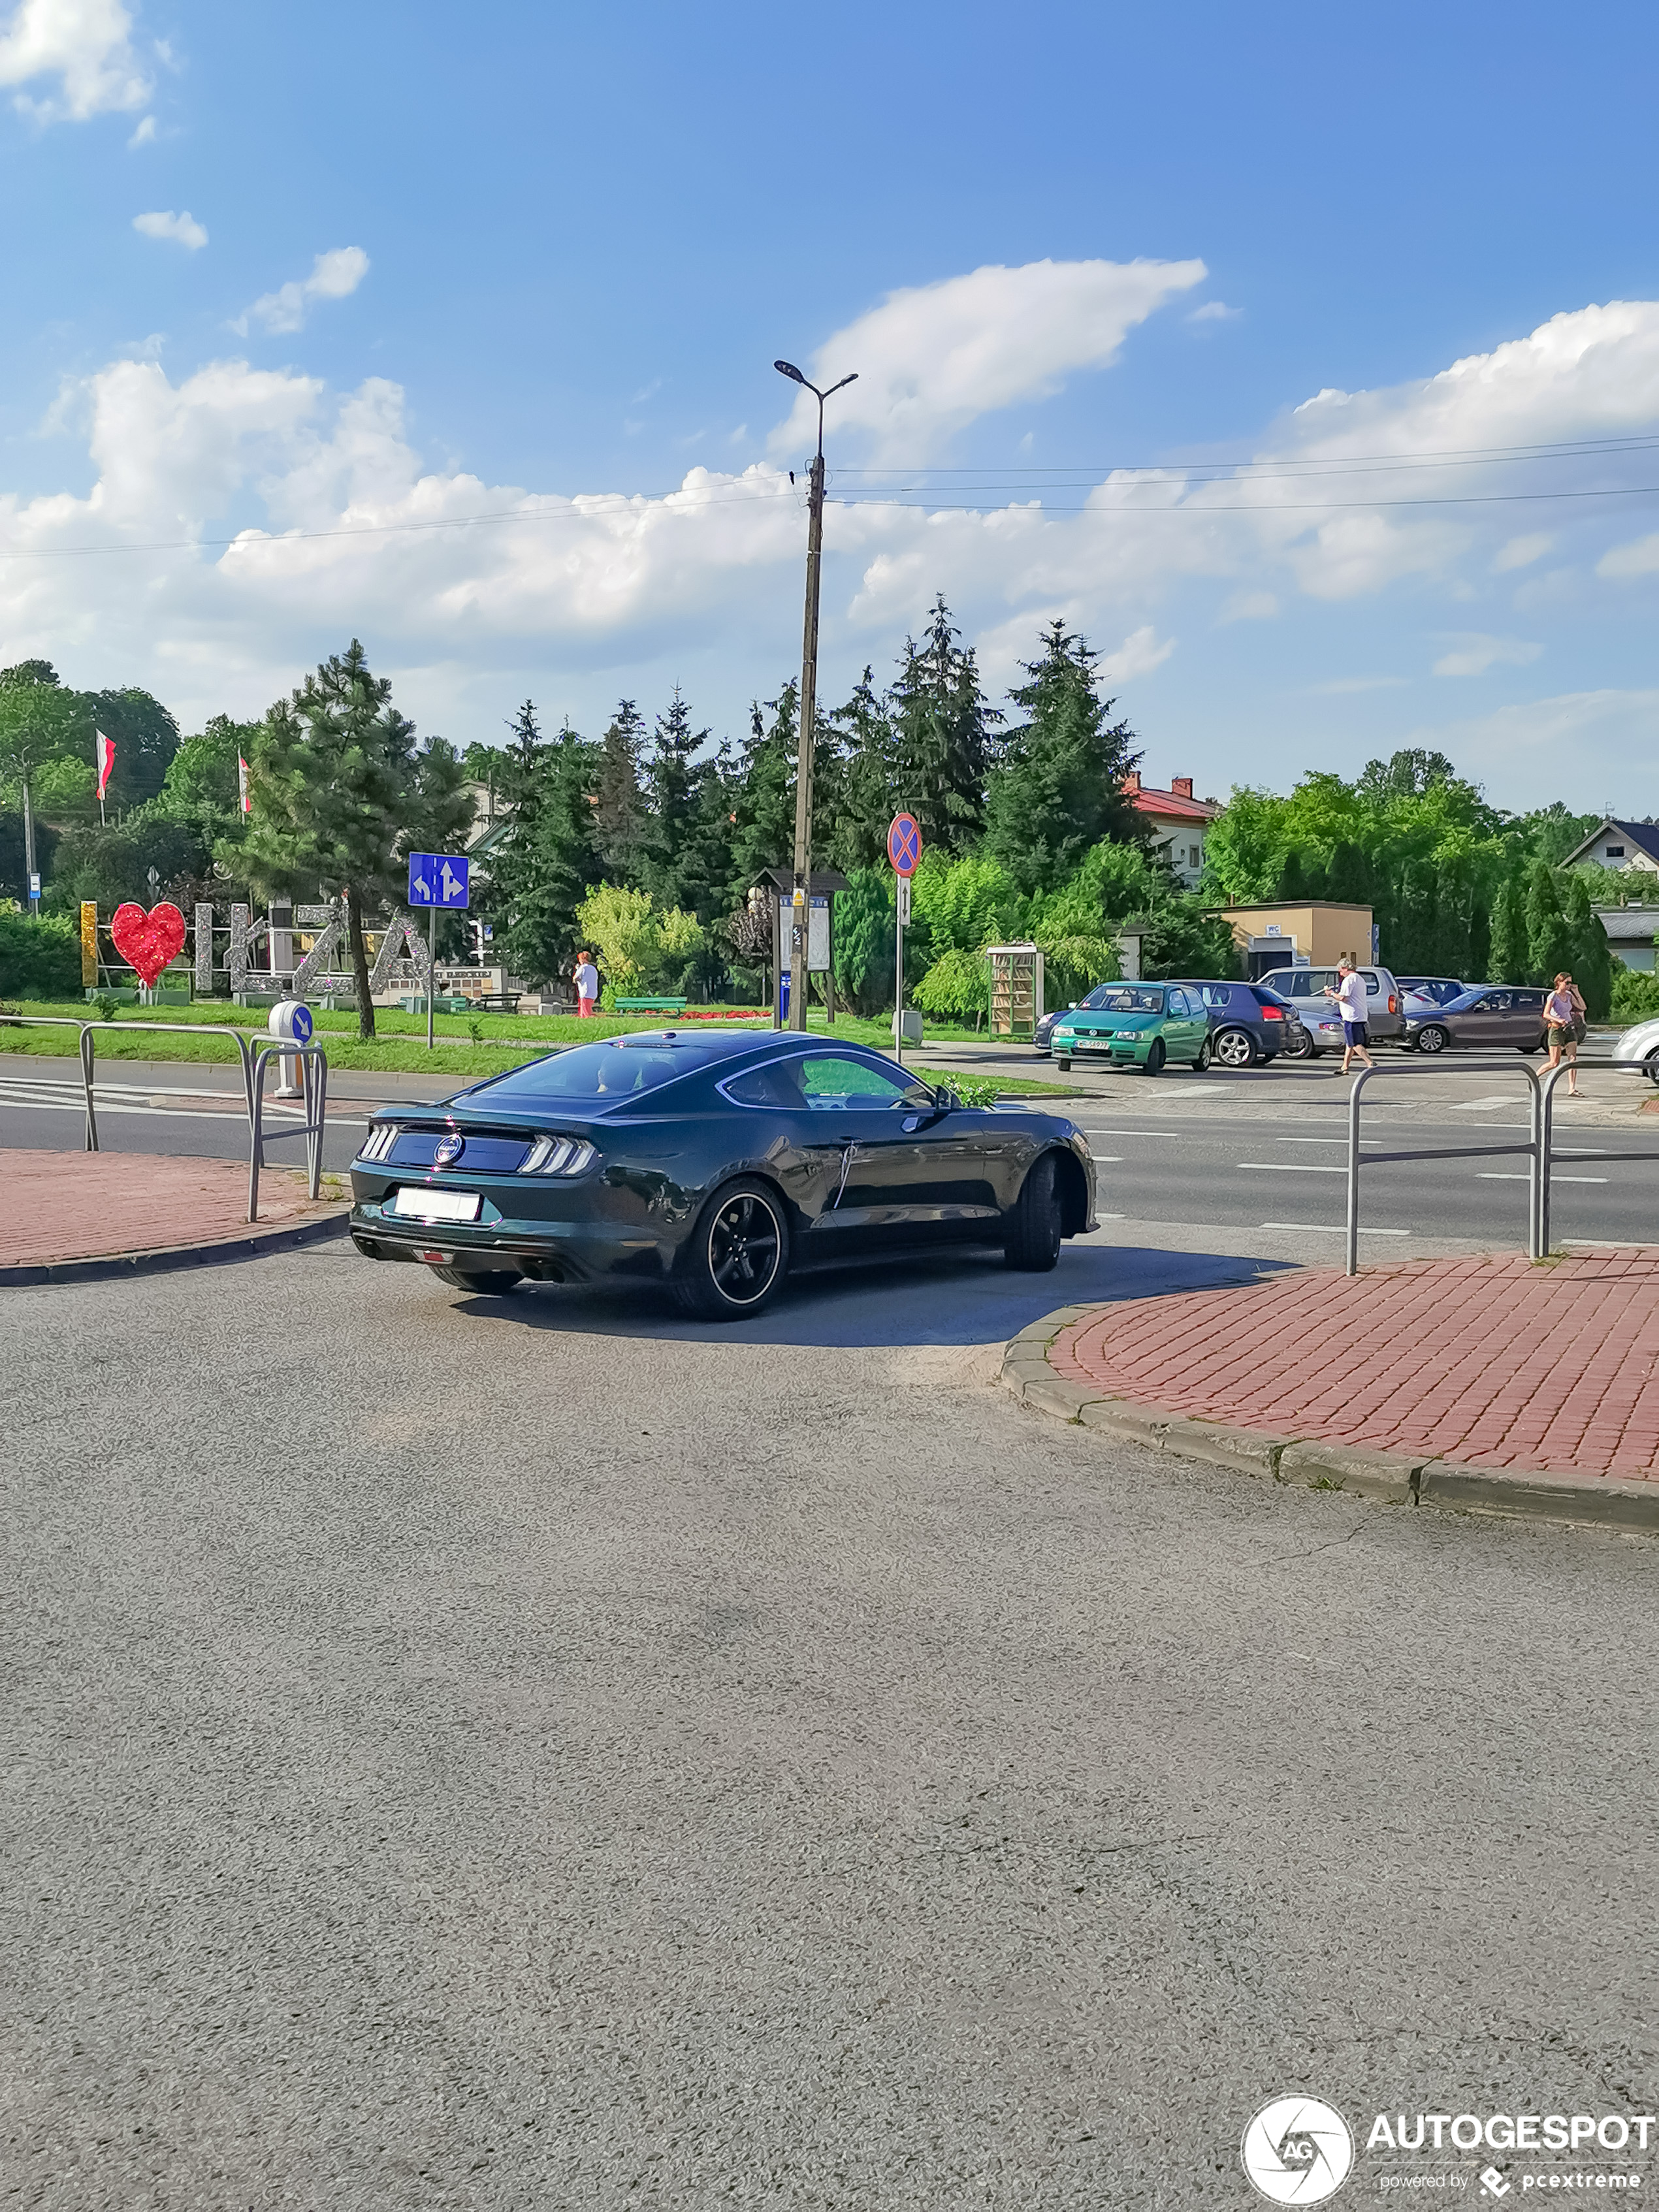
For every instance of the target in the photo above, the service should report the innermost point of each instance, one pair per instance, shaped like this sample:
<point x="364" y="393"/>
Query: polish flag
<point x="241" y="785"/>
<point x="105" y="760"/>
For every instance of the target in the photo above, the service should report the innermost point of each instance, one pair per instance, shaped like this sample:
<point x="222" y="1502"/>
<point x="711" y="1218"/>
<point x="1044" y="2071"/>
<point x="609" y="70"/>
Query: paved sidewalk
<point x="1494" y="1363"/>
<point x="67" y="1207"/>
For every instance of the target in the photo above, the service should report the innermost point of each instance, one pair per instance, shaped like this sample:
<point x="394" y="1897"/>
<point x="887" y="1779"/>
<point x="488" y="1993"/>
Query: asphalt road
<point x="534" y="1752"/>
<point x="1239" y="1155"/>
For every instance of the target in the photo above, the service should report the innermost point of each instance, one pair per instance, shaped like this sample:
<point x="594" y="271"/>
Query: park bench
<point x="499" y="1002"/>
<point x="649" y="1006"/>
<point x="416" y="1004"/>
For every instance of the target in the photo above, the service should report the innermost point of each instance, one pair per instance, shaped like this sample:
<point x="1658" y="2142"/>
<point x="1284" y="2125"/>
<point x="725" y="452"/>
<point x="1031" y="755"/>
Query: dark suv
<point x="1248" y="1022"/>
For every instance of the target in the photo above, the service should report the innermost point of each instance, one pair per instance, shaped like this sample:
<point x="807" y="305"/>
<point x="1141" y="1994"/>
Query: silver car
<point x="1305" y="989"/>
<point x="1487" y="1013"/>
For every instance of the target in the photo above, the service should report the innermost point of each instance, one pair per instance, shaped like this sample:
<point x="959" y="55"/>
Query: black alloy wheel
<point x="1156" y="1056"/>
<point x="736" y="1255"/>
<point x="1650" y="1067"/>
<point x="1234" y="1048"/>
<point x="1031" y="1226"/>
<point x="1298" y="1046"/>
<point x="487" y="1282"/>
<point x="1432" y="1038"/>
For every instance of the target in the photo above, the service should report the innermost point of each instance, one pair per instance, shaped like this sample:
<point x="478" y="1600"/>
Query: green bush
<point x="39" y="956"/>
<point x="1635" y="996"/>
<point x="956" y="987"/>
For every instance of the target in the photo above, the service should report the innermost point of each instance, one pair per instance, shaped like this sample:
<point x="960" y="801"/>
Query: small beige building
<point x="1299" y="933"/>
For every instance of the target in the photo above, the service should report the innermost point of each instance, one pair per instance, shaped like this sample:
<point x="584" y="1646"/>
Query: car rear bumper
<point x="550" y="1251"/>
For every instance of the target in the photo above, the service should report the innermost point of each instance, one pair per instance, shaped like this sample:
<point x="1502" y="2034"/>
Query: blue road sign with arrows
<point x="439" y="879"/>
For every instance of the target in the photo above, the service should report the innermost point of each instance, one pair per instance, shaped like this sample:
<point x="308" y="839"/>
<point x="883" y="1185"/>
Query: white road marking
<point x="1089" y="1132"/>
<point x="1332" y="1228"/>
<point x="77" y="1104"/>
<point x="1561" y="1178"/>
<point x="1496" y="1175"/>
<point x="1113" y="1159"/>
<point x="1289" y="1167"/>
<point x="1480" y="1105"/>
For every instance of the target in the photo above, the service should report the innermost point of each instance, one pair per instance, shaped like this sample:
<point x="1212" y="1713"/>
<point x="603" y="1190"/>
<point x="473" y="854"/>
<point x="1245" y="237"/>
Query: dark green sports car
<point x="712" y="1166"/>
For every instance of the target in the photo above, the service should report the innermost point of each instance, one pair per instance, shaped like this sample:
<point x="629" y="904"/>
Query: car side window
<point x="831" y="1084"/>
<point x="1218" y="994"/>
<point x="1373" y="983"/>
<point x="773" y="1086"/>
<point x="1175" y="1002"/>
<point x="1495" y="1002"/>
<point x="1527" y="1002"/>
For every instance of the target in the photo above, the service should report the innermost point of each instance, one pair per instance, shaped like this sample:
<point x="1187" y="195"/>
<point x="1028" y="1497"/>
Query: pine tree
<point x="763" y="834"/>
<point x="549" y="860"/>
<point x="342" y="795"/>
<point x="864" y="804"/>
<point x="1591" y="964"/>
<point x="1509" y="963"/>
<point x="668" y="855"/>
<point x="1451" y="915"/>
<point x="1059" y="787"/>
<point x="620" y="812"/>
<point x="942" y="736"/>
<point x="1549" y="935"/>
<point x="1350" y="879"/>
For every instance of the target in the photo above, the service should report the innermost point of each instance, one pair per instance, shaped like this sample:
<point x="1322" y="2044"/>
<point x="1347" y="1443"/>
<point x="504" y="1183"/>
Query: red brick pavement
<point x="82" y="1206"/>
<point x="1493" y="1362"/>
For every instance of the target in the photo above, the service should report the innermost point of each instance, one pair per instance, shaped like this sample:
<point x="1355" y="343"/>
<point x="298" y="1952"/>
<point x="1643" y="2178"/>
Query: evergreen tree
<point x="1059" y="789"/>
<point x="763" y="834"/>
<point x="1550" y="944"/>
<point x="342" y="794"/>
<point x="619" y="814"/>
<point x="1293" y="877"/>
<point x="1591" y="964"/>
<point x="864" y="804"/>
<point x="1451" y="915"/>
<point x="1509" y="962"/>
<point x="548" y="858"/>
<point x="669" y="856"/>
<point x="942" y="736"/>
<point x="1350" y="879"/>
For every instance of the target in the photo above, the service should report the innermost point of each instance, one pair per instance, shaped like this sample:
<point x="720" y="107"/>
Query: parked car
<point x="1042" y="1034"/>
<point x="1637" y="1048"/>
<point x="1298" y="1044"/>
<point x="1436" y="990"/>
<point x="1138" y="1025"/>
<point x="1247" y="1022"/>
<point x="1305" y="988"/>
<point x="709" y="1166"/>
<point x="1484" y="1014"/>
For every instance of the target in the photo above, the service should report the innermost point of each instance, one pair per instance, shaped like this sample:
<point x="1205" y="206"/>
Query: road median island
<point x="76" y="1216"/>
<point x="1490" y="1384"/>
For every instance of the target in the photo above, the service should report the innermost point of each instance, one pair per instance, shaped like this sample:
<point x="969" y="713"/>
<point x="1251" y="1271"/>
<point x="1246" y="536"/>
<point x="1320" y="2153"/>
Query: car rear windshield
<point x="600" y="1074"/>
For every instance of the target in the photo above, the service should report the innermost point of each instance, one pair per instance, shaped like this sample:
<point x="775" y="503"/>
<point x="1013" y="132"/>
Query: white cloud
<point x="1521" y="552"/>
<point x="932" y="360"/>
<point x="184" y="228"/>
<point x="1139" y="654"/>
<point x="1215" y="311"/>
<point x="334" y="276"/>
<point x="1639" y="558"/>
<point x="1250" y="606"/>
<point x="86" y="45"/>
<point x="144" y="135"/>
<point x="1473" y="654"/>
<point x="1604" y="741"/>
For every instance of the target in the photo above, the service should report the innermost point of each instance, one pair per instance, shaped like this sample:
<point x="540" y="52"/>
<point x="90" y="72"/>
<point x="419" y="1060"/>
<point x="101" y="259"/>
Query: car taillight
<point x="556" y="1155"/>
<point x="1393" y="1009"/>
<point x="379" y="1141"/>
<point x="1273" y="1013"/>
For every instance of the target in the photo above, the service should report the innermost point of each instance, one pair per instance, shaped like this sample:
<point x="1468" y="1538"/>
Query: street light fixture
<point x="809" y="687"/>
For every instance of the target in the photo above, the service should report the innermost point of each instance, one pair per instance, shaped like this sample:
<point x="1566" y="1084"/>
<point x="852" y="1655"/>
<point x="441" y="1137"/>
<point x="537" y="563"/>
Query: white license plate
<point x="437" y="1205"/>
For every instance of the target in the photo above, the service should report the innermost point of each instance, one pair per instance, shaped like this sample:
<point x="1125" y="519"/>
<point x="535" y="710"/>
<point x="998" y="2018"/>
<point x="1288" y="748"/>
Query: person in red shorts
<point x="588" y="984"/>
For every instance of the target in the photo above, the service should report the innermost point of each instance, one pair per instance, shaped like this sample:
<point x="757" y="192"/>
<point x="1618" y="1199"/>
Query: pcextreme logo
<point x="1296" y="2150"/>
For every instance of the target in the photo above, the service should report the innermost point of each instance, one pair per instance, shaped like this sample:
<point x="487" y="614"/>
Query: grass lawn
<point x="480" y="1044"/>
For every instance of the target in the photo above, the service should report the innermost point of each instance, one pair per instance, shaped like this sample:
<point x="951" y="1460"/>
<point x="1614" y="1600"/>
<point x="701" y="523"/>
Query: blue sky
<point x="445" y="263"/>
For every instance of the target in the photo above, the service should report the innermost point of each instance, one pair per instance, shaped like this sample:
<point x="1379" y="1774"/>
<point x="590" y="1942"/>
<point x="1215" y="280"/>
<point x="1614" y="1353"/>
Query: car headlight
<point x="557" y="1156"/>
<point x="380" y="1139"/>
<point x="1126" y="1033"/>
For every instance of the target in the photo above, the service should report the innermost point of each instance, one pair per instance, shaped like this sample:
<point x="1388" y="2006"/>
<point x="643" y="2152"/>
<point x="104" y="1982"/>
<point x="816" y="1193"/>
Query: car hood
<point x="1096" y="1024"/>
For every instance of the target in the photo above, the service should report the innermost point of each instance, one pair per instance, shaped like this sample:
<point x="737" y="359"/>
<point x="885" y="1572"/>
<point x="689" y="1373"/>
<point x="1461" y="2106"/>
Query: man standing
<point x="1350" y="997"/>
<point x="588" y="984"/>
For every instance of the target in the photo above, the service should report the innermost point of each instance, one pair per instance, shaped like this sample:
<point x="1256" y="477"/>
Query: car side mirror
<point x="945" y="1100"/>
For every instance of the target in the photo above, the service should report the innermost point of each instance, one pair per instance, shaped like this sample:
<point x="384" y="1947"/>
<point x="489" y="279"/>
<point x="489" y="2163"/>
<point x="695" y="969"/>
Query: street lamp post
<point x="809" y="687"/>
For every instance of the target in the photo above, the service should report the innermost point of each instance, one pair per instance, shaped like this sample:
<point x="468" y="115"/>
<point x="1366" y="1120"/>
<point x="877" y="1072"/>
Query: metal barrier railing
<point x="1531" y="1148"/>
<point x="1539" y="1148"/>
<point x="252" y="1052"/>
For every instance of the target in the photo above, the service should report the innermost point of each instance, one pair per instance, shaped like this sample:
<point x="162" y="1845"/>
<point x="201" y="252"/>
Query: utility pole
<point x="801" y="889"/>
<point x="29" y="837"/>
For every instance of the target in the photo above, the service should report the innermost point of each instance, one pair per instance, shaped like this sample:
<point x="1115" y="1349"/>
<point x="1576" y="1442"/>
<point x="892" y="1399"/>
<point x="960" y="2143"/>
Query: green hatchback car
<point x="1137" y="1025"/>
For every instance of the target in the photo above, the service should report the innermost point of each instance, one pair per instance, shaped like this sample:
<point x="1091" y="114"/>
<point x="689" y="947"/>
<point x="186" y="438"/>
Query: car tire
<point x="1432" y="1038"/>
<point x="1064" y="1066"/>
<point x="486" y="1282"/>
<point x="1155" y="1057"/>
<point x="1303" y="1051"/>
<point x="1650" y="1067"/>
<point x="735" y="1258"/>
<point x="1031" y="1227"/>
<point x="1202" y="1065"/>
<point x="1530" y="1048"/>
<point x="1234" y="1048"/>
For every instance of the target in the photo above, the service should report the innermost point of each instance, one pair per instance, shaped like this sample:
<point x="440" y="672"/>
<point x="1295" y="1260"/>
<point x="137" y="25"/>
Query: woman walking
<point x="1564" y="1010"/>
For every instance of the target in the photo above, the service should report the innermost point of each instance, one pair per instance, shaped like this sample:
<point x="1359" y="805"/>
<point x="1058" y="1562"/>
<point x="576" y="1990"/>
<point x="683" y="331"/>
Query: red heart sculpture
<point x="148" y="941"/>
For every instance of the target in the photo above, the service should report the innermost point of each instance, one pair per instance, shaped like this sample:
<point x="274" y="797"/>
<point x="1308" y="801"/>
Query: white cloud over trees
<point x="85" y="45"/>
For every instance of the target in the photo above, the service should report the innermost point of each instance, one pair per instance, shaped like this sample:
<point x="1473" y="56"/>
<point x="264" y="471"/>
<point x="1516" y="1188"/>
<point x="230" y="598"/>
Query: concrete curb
<point x="1314" y="1462"/>
<point x="248" y="1245"/>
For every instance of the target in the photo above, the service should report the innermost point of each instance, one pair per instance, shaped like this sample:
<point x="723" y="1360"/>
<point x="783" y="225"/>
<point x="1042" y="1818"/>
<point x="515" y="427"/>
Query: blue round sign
<point x="302" y="1026"/>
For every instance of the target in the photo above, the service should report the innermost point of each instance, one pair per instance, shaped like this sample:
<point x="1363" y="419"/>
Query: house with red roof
<point x="1177" y="820"/>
